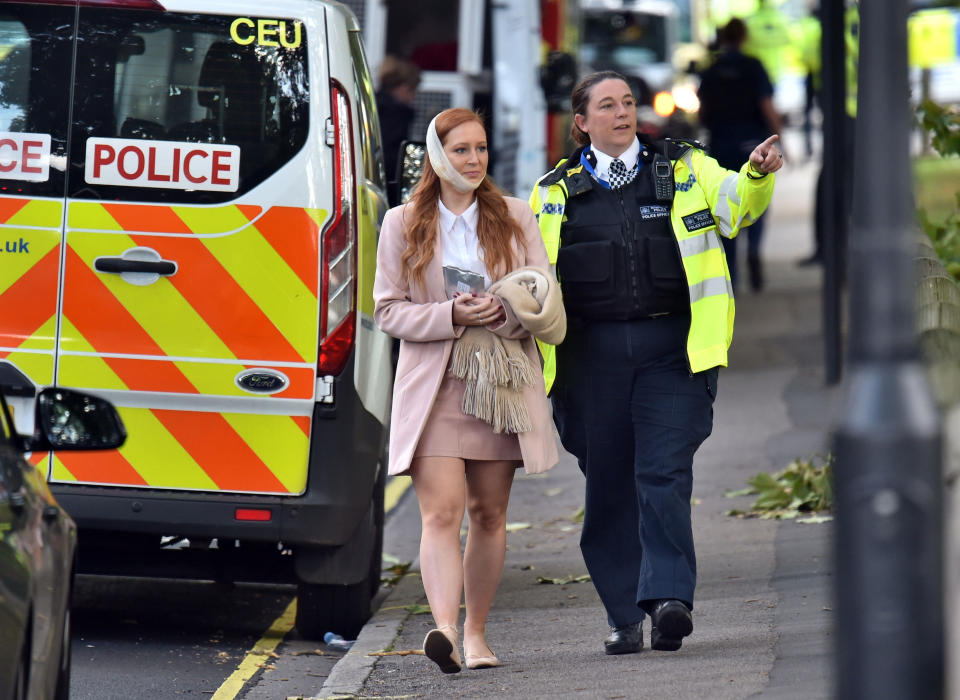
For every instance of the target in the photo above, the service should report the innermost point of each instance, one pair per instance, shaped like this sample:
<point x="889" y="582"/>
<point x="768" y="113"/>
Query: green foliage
<point x="396" y="572"/>
<point x="943" y="125"/>
<point x="945" y="236"/>
<point x="802" y="488"/>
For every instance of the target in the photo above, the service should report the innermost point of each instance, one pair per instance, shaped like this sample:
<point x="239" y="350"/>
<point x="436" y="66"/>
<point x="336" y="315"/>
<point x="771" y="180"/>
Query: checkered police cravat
<point x="619" y="176"/>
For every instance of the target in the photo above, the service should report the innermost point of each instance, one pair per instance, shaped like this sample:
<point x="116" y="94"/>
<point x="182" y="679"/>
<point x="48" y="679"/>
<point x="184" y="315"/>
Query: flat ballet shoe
<point x="442" y="650"/>
<point x="482" y="661"/>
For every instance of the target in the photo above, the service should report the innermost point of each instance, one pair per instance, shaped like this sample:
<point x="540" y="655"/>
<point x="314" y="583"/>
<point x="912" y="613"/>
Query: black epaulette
<point x="675" y="148"/>
<point x="572" y="173"/>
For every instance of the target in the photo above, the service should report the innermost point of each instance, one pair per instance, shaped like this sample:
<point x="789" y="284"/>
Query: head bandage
<point x="441" y="164"/>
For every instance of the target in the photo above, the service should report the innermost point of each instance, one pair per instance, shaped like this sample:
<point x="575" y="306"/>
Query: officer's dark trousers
<point x="628" y="408"/>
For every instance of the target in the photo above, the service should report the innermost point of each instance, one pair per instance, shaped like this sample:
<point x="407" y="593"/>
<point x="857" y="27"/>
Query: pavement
<point x="763" y="617"/>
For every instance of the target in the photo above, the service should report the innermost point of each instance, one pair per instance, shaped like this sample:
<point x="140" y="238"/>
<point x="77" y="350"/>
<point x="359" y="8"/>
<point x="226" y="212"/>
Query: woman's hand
<point x="477" y="310"/>
<point x="767" y="158"/>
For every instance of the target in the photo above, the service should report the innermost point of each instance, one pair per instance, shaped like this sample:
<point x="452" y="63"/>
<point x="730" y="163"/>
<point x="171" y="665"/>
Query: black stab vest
<point x="618" y="257"/>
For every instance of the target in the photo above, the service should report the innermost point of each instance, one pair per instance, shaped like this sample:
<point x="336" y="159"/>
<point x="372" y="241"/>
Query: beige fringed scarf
<point x="496" y="369"/>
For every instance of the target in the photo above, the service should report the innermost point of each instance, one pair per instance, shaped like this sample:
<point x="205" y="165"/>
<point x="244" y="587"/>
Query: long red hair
<point x="496" y="229"/>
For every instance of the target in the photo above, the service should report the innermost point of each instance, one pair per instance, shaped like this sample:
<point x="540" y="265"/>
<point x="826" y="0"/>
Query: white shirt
<point x="629" y="158"/>
<point x="459" y="244"/>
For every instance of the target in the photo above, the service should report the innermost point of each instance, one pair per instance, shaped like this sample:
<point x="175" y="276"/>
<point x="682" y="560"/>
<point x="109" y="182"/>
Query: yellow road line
<point x="395" y="489"/>
<point x="258" y="655"/>
<point x="251" y="663"/>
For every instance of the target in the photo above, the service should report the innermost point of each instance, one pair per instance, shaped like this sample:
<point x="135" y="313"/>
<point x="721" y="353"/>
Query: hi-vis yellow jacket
<point x="732" y="200"/>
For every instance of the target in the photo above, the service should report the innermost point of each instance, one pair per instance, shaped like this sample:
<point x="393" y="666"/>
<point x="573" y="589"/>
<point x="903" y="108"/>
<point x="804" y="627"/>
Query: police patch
<point x="654" y="211"/>
<point x="551" y="208"/>
<point x="698" y="220"/>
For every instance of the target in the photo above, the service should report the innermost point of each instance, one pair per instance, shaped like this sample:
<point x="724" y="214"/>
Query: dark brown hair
<point x="733" y="33"/>
<point x="396" y="71"/>
<point x="495" y="227"/>
<point x="580" y="98"/>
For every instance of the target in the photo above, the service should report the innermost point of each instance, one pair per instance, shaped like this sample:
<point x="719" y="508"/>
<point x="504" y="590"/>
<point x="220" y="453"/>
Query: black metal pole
<point x="889" y="595"/>
<point x="832" y="211"/>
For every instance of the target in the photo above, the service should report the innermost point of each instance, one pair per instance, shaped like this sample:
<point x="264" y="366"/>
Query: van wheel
<point x="324" y="607"/>
<point x="344" y="609"/>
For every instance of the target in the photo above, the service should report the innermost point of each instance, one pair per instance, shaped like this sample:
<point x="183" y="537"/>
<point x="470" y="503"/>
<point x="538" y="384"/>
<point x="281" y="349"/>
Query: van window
<point x="35" y="51"/>
<point x="237" y="86"/>
<point x="371" y="144"/>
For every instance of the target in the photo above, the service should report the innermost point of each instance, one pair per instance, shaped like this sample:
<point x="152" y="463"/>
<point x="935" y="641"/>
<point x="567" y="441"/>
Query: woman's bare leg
<point x="441" y="492"/>
<point x="488" y="492"/>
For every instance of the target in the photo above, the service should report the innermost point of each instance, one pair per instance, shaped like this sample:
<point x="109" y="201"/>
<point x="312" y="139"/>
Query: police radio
<point x="663" y="178"/>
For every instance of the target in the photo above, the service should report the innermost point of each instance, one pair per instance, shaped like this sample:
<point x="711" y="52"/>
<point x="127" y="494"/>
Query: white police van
<point x="190" y="197"/>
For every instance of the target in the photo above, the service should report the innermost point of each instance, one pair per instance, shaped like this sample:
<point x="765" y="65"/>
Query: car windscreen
<point x="619" y="40"/>
<point x="36" y="44"/>
<point x="185" y="107"/>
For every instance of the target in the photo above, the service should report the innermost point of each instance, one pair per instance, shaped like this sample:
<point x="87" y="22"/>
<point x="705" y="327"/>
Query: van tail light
<point x="338" y="284"/>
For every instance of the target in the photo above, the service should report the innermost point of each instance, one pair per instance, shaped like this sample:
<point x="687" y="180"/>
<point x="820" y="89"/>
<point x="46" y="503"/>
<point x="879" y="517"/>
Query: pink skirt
<point x="451" y="433"/>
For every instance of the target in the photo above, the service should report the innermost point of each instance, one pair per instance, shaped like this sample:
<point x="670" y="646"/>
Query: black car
<point x="38" y="540"/>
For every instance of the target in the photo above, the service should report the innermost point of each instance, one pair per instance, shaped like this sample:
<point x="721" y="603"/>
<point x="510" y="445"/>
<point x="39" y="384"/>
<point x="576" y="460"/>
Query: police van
<point x="190" y="197"/>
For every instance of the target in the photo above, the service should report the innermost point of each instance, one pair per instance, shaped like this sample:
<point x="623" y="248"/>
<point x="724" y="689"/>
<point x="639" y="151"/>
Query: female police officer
<point x="633" y="230"/>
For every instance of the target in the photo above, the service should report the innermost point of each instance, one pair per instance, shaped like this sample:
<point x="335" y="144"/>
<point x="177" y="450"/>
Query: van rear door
<point x="190" y="271"/>
<point x="36" y="45"/>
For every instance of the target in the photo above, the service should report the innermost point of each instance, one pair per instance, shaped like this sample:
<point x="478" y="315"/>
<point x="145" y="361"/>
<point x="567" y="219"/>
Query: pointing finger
<point x="768" y="144"/>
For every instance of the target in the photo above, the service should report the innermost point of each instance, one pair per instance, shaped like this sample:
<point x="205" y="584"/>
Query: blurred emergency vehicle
<point x="190" y="196"/>
<point x="641" y="39"/>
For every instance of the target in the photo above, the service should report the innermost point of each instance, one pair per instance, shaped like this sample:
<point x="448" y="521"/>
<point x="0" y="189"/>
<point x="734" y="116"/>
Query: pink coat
<point x="423" y="320"/>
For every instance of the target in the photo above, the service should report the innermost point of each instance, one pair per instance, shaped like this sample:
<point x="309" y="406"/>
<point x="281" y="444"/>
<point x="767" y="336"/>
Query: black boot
<point x="625" y="639"/>
<point x="672" y="622"/>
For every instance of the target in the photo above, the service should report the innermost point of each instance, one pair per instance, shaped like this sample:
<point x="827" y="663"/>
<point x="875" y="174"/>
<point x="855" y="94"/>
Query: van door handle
<point x="121" y="265"/>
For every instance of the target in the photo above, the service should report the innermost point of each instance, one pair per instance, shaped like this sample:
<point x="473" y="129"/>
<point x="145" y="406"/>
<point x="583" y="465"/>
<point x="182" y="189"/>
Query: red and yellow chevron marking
<point x="28" y="284"/>
<point x="249" y="294"/>
<point x="21" y="211"/>
<point x="244" y="296"/>
<point x="197" y="451"/>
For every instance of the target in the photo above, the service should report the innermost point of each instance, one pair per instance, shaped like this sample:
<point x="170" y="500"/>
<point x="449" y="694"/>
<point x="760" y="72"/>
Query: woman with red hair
<point x="469" y="404"/>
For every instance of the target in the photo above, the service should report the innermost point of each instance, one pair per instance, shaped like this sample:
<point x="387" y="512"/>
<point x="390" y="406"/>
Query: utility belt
<point x="580" y="321"/>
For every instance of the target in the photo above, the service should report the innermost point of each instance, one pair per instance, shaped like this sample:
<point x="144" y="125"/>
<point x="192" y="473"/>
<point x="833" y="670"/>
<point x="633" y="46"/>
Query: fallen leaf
<point x="553" y="492"/>
<point x="418" y="609"/>
<point x="815" y="519"/>
<point x="513" y="527"/>
<point x="318" y="652"/>
<point x="749" y="491"/>
<point x="564" y="581"/>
